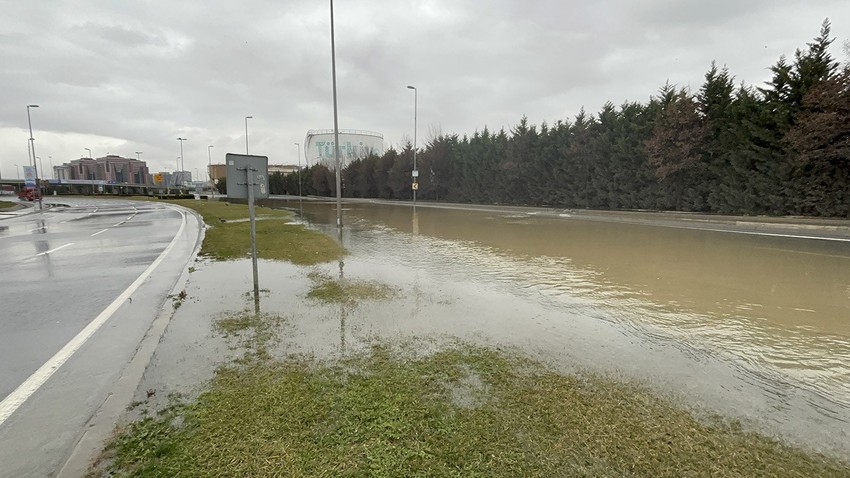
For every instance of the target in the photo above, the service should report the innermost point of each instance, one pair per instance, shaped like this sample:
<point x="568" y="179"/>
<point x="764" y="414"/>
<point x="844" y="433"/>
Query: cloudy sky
<point x="120" y="77"/>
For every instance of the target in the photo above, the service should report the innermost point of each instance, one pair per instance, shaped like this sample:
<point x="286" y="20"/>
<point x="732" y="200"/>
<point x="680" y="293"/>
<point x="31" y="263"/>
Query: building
<point x="353" y="144"/>
<point x="110" y="169"/>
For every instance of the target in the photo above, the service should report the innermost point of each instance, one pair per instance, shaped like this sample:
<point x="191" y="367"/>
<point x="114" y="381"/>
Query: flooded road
<point x="773" y="310"/>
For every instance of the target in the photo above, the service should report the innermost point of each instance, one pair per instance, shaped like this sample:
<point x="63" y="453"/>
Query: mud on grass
<point x="461" y="411"/>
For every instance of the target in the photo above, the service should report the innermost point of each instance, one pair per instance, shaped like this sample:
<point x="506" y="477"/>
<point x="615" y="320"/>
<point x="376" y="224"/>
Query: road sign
<point x="415" y="186"/>
<point x="415" y="173"/>
<point x="257" y="168"/>
<point x="157" y="178"/>
<point x="29" y="176"/>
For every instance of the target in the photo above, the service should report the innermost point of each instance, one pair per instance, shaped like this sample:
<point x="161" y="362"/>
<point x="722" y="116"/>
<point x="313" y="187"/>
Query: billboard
<point x="353" y="144"/>
<point x="29" y="176"/>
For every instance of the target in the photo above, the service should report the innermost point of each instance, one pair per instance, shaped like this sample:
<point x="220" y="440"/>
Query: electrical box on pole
<point x="248" y="177"/>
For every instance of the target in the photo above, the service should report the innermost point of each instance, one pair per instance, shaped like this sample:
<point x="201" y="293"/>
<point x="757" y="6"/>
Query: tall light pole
<point x="18" y="171"/>
<point x="181" y="158"/>
<point x="298" y="153"/>
<point x="246" y="132"/>
<point x="139" y="155"/>
<point x="32" y="146"/>
<point x="415" y="173"/>
<point x="336" y="127"/>
<point x="90" y="156"/>
<point x="209" y="173"/>
<point x="50" y="160"/>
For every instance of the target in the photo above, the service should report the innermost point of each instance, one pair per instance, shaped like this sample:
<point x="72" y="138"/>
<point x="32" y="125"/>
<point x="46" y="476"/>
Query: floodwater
<point x="751" y="327"/>
<point x="755" y="324"/>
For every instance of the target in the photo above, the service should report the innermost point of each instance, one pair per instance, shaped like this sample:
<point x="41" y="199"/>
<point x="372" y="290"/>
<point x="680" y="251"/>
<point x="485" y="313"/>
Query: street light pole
<point x="209" y="173"/>
<point x="90" y="156"/>
<point x="32" y="146"/>
<point x="415" y="108"/>
<point x="181" y="159"/>
<point x="246" y="133"/>
<point x="139" y="155"/>
<point x="298" y="153"/>
<point x="336" y="127"/>
<point x="18" y="171"/>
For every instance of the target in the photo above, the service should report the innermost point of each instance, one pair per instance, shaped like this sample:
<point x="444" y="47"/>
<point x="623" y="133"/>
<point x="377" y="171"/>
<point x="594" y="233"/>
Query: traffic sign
<point x="257" y="168"/>
<point x="29" y="176"/>
<point x="415" y="186"/>
<point x="415" y="173"/>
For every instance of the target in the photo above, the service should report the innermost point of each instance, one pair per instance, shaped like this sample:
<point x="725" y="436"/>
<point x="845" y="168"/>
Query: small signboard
<point x="415" y="186"/>
<point x="257" y="169"/>
<point x="29" y="176"/>
<point x="415" y="173"/>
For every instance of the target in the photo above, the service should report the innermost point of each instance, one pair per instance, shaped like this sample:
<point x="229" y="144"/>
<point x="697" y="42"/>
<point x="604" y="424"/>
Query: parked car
<point x="29" y="194"/>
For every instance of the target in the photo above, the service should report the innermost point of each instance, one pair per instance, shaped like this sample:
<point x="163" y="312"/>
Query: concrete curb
<point x="102" y="424"/>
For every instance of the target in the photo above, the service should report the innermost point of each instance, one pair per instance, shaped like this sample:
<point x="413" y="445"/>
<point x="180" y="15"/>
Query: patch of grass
<point x="462" y="411"/>
<point x="256" y="331"/>
<point x="229" y="235"/>
<point x="328" y="289"/>
<point x="6" y="204"/>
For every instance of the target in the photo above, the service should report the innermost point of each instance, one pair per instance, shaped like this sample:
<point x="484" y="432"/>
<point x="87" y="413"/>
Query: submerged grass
<point x="462" y="411"/>
<point x="228" y="236"/>
<point x="327" y="289"/>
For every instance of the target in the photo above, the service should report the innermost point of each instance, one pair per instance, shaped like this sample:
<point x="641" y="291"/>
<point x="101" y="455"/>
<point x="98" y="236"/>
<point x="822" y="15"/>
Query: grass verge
<point x="462" y="411"/>
<point x="229" y="234"/>
<point x="6" y="204"/>
<point x="346" y="291"/>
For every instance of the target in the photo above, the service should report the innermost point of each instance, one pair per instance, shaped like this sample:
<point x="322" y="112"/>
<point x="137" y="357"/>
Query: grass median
<point x="7" y="204"/>
<point x="229" y="233"/>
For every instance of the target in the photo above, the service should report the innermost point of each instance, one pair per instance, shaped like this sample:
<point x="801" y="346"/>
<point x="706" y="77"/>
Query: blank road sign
<point x="258" y="167"/>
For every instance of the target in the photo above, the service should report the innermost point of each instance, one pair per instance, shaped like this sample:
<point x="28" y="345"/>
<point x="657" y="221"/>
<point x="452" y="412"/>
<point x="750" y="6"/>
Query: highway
<point x="80" y="285"/>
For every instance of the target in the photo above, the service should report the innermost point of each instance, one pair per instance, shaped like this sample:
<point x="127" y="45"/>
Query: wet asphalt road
<point x="59" y="270"/>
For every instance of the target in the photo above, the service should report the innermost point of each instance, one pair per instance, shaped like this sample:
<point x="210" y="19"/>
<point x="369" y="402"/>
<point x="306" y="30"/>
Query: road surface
<point x="80" y="284"/>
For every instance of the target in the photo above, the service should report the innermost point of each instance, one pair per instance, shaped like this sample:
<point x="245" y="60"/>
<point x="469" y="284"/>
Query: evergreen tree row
<point x="780" y="149"/>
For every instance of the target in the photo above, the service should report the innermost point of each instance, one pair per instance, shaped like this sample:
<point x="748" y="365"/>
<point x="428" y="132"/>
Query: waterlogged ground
<point x="457" y="293"/>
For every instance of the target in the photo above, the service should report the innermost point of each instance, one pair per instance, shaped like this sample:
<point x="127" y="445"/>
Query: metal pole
<point x="18" y="171"/>
<point x="182" y="167"/>
<point x="246" y="133"/>
<point x="212" y="180"/>
<point x="139" y="155"/>
<point x="32" y="141"/>
<point x="249" y="180"/>
<point x="336" y="127"/>
<point x="415" y="108"/>
<point x="298" y="153"/>
<point x="90" y="156"/>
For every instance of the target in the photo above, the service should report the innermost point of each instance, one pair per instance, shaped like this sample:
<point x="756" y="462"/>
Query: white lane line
<point x="772" y="234"/>
<point x="44" y="228"/>
<point x="131" y="216"/>
<point x="40" y="376"/>
<point x="99" y="232"/>
<point x="54" y="250"/>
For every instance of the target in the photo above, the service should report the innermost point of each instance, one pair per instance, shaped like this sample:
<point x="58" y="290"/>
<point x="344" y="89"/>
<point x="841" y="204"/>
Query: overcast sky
<point x="120" y="77"/>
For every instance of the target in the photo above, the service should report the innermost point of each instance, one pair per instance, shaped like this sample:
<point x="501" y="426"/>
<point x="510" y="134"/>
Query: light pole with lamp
<point x="298" y="153"/>
<point x="246" y="133"/>
<point x="18" y="171"/>
<point x="336" y="127"/>
<point x="139" y="155"/>
<point x="50" y="160"/>
<point x="415" y="173"/>
<point x="181" y="159"/>
<point x="90" y="156"/>
<point x="209" y="173"/>
<point x="32" y="147"/>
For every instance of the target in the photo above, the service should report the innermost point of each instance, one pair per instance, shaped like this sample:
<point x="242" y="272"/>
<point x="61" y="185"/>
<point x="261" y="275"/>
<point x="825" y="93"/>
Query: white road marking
<point x="99" y="232"/>
<point x="772" y="234"/>
<point x="40" y="376"/>
<point x="54" y="250"/>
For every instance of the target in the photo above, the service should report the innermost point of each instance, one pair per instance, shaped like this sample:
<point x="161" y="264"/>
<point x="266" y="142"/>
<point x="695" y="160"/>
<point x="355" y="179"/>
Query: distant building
<point x="353" y="144"/>
<point x="111" y="169"/>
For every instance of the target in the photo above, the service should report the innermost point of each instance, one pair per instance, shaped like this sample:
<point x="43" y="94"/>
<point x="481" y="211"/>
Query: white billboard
<point x="353" y="144"/>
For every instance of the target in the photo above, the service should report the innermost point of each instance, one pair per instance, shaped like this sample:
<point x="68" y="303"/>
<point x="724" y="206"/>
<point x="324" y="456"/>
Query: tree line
<point x="779" y="149"/>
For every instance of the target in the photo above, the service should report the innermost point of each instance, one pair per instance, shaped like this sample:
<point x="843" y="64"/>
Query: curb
<point x="102" y="423"/>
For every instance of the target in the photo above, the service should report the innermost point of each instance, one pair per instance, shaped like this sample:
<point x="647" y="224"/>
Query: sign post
<point x="248" y="177"/>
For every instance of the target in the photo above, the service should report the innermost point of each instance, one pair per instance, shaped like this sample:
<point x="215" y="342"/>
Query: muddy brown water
<point x="752" y="327"/>
<point x="772" y="311"/>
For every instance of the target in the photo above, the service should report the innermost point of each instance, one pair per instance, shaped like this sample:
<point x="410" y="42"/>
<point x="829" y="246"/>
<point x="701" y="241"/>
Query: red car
<point x="30" y="194"/>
